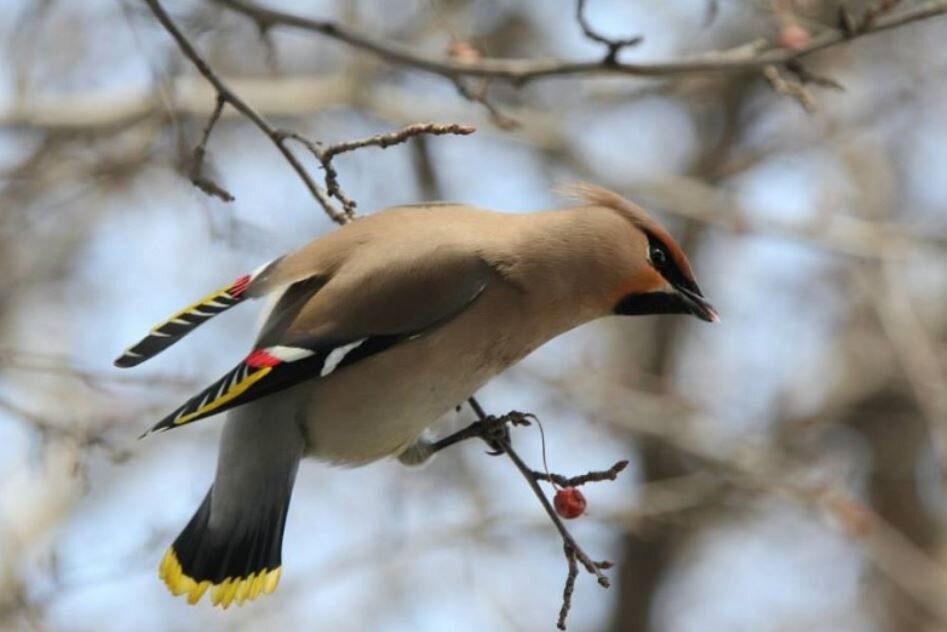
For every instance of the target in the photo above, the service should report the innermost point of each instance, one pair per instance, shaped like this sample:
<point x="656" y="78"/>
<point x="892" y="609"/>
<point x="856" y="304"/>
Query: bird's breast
<point x="379" y="406"/>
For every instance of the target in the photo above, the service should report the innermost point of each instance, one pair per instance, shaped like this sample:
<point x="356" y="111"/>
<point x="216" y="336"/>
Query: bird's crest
<point x="594" y="195"/>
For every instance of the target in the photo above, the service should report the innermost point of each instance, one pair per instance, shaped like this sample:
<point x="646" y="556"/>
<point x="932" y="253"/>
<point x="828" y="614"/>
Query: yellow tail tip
<point x="231" y="590"/>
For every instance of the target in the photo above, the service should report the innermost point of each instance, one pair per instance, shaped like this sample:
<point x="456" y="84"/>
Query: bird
<point x="380" y="328"/>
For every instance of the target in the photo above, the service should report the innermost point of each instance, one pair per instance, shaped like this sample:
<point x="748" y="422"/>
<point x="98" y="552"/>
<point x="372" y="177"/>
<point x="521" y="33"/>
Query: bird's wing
<point x="318" y="328"/>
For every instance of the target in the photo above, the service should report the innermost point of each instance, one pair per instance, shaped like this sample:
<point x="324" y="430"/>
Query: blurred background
<point x="787" y="465"/>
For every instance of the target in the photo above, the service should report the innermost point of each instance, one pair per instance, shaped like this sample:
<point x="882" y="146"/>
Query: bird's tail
<point x="232" y="545"/>
<point x="235" y="561"/>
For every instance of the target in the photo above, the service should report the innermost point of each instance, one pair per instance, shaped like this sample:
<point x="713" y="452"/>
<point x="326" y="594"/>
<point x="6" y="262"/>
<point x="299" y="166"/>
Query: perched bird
<point x="383" y="326"/>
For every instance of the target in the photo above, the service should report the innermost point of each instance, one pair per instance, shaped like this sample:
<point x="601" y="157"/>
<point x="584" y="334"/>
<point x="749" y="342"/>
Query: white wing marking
<point x="337" y="355"/>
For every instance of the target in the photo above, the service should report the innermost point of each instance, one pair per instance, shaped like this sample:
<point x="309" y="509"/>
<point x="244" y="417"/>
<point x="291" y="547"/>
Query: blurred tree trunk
<point x="897" y="435"/>
<point x="646" y="558"/>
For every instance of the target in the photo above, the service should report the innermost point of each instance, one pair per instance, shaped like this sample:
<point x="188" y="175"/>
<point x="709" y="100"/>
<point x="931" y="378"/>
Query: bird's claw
<point x="496" y="431"/>
<point x="492" y="429"/>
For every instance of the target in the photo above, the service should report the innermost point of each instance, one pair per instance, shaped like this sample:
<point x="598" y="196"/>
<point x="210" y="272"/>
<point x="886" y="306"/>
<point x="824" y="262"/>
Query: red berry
<point x="569" y="503"/>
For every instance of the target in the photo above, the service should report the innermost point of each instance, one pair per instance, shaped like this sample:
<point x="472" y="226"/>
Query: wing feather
<point x="262" y="372"/>
<point x="319" y="328"/>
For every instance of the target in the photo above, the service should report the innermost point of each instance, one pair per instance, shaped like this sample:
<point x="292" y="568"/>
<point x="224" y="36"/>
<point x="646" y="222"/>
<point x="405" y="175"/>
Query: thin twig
<point x="397" y="137"/>
<point x="465" y="51"/>
<point x="477" y="408"/>
<point x="497" y="116"/>
<point x="225" y="95"/>
<point x="325" y="154"/>
<point x="614" y="45"/>
<point x="576" y="481"/>
<point x="198" y="178"/>
<point x="569" y="586"/>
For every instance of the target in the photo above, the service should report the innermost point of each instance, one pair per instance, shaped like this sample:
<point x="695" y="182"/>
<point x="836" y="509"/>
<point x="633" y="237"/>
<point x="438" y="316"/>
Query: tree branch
<point x="325" y="154"/>
<point x="521" y="70"/>
<point x="225" y="95"/>
<point x="495" y="432"/>
<point x="228" y="96"/>
<point x="754" y="467"/>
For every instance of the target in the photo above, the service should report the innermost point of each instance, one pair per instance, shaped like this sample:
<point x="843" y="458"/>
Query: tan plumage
<point x="386" y="324"/>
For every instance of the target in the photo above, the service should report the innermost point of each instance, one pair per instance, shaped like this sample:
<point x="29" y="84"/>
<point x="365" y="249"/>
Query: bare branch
<point x="225" y="95"/>
<point x="495" y="432"/>
<point x="521" y="70"/>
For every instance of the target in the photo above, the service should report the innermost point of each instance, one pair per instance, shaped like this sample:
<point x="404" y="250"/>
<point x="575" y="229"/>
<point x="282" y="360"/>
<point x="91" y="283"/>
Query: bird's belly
<point x="357" y="416"/>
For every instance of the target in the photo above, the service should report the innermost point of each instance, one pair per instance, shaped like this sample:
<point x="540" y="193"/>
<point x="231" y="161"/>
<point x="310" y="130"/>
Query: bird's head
<point x="656" y="277"/>
<point x="664" y="284"/>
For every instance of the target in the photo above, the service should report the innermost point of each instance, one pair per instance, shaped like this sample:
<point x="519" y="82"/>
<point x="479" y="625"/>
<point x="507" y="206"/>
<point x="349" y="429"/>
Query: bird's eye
<point x="658" y="256"/>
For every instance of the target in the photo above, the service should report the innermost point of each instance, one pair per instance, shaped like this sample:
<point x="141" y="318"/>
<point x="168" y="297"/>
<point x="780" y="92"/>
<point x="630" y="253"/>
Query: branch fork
<point x="614" y="46"/>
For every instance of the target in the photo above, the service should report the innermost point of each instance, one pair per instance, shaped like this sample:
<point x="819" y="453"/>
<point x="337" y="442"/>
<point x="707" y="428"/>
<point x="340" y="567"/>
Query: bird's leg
<point x="491" y="428"/>
<point x="496" y="430"/>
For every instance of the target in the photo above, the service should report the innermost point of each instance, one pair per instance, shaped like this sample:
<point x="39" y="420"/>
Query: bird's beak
<point x="698" y="305"/>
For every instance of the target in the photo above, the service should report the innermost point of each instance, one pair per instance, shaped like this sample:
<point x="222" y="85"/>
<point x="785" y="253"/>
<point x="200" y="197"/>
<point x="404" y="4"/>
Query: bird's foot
<point x="418" y="453"/>
<point x="494" y="429"/>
